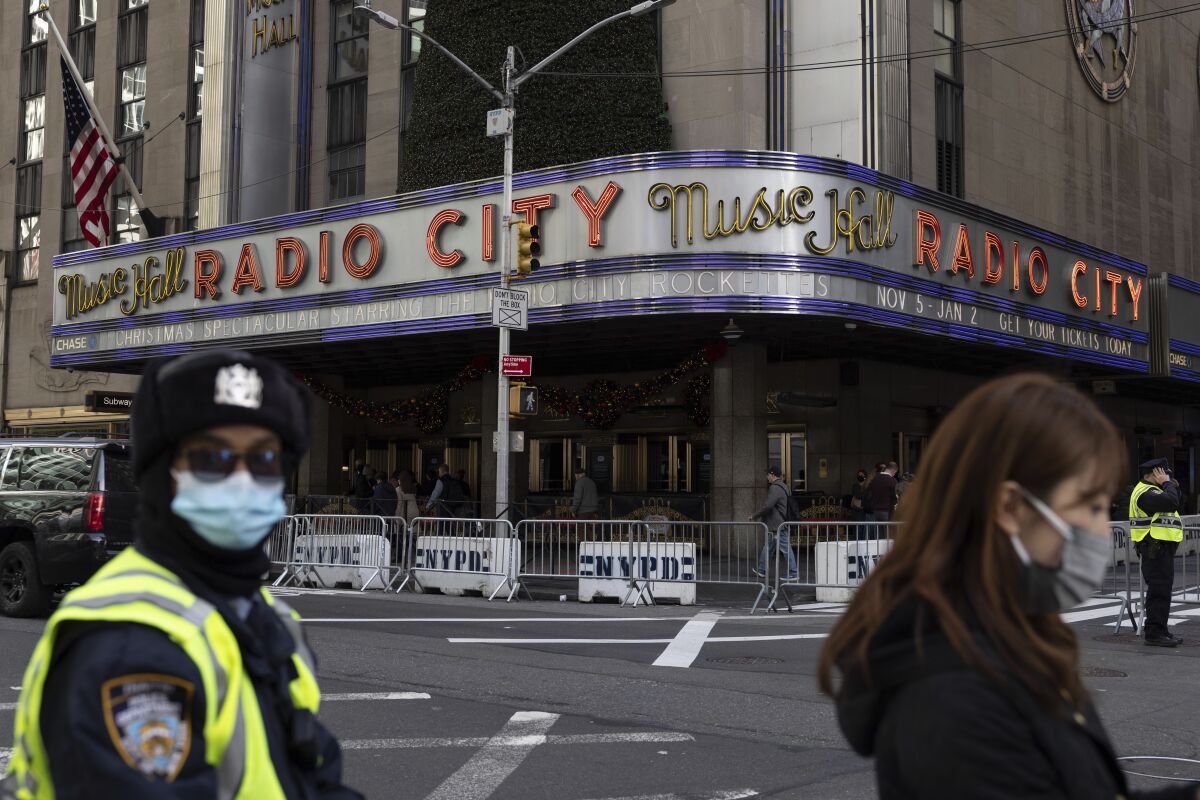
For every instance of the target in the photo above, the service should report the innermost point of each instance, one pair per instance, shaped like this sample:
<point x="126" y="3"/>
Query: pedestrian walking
<point x="585" y="499"/>
<point x="173" y="673"/>
<point x="957" y="672"/>
<point x="1157" y="529"/>
<point x="773" y="513"/>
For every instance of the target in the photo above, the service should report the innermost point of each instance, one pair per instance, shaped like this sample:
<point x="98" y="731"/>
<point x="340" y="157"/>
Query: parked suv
<point x="66" y="506"/>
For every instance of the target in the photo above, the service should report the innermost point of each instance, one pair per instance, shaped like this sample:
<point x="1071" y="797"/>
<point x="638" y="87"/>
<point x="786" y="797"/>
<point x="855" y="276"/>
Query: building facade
<point x="868" y="209"/>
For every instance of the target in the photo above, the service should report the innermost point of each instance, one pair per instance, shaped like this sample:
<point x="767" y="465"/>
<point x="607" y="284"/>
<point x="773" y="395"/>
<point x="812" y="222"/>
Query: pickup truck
<point x="67" y="505"/>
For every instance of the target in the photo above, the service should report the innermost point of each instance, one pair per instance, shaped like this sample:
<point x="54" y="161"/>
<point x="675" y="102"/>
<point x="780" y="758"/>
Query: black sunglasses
<point x="211" y="464"/>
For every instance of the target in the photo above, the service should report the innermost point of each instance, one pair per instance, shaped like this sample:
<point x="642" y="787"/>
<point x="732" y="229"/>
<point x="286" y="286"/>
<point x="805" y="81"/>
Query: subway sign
<point x="726" y="232"/>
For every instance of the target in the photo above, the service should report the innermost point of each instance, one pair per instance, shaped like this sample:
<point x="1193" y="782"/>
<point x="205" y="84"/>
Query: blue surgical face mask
<point x="234" y="513"/>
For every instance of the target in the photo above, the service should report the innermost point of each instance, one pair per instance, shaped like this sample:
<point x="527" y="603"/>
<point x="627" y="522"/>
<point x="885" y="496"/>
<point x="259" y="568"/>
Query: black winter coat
<point x="940" y="729"/>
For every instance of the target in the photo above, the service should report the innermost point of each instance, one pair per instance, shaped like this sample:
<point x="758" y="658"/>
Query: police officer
<point x="1155" y="525"/>
<point x="172" y="673"/>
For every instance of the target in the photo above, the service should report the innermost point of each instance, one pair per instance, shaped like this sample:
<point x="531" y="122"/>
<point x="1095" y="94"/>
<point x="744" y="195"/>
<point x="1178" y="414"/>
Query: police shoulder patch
<point x="148" y="716"/>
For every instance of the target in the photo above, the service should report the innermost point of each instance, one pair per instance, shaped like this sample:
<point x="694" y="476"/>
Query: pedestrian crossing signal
<point x="522" y="400"/>
<point x="527" y="248"/>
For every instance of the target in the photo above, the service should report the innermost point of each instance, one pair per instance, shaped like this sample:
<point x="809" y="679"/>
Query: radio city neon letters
<point x="927" y="252"/>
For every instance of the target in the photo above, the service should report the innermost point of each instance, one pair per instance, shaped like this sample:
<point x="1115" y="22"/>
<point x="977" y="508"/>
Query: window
<point x="133" y="100"/>
<point x="789" y="452"/>
<point x="948" y="97"/>
<point x="36" y="26"/>
<point x="347" y="134"/>
<point x="34" y="125"/>
<point x="62" y="469"/>
<point x="83" y="37"/>
<point x="10" y="463"/>
<point x="414" y="15"/>
<point x="949" y="100"/>
<point x="126" y="220"/>
<point x="191" y="178"/>
<point x="350" y="49"/>
<point x="29" y="242"/>
<point x="945" y="38"/>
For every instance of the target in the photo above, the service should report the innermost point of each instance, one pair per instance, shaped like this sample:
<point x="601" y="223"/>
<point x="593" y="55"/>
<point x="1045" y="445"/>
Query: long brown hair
<point x="951" y="555"/>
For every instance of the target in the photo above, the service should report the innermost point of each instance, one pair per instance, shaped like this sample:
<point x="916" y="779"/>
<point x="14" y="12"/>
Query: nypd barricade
<point x="339" y="549"/>
<point x="831" y="558"/>
<point x="641" y="561"/>
<point x="568" y="550"/>
<point x="460" y="555"/>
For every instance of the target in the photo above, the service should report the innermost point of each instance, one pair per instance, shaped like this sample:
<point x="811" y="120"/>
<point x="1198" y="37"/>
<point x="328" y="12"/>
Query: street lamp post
<point x="506" y="96"/>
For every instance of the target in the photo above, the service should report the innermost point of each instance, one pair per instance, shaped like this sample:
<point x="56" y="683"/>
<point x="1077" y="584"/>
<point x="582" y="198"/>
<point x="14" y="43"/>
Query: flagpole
<point x="134" y="191"/>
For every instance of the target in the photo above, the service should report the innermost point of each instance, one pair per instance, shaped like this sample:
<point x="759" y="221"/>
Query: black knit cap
<point x="181" y="396"/>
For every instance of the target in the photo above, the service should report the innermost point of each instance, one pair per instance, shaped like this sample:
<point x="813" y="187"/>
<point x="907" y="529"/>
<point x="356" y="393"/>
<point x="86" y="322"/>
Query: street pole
<point x="512" y="82"/>
<point x="503" y="445"/>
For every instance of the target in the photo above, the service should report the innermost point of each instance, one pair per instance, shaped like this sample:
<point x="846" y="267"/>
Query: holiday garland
<point x="602" y="402"/>
<point x="429" y="411"/>
<point x="599" y="404"/>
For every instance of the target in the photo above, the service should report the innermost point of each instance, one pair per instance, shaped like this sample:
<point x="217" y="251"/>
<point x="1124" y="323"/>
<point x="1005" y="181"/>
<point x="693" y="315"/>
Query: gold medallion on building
<point x="1103" y="34"/>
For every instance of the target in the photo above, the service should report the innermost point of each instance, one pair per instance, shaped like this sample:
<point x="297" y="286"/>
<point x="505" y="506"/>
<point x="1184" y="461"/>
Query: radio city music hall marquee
<point x="744" y="237"/>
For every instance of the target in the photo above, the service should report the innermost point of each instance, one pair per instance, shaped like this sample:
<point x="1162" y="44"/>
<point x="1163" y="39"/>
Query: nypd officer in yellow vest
<point x="1155" y="525"/>
<point x="171" y="673"/>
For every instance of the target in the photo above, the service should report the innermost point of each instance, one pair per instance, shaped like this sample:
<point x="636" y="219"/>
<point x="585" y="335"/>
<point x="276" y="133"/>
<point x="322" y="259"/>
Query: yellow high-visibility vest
<point x="1166" y="526"/>
<point x="134" y="588"/>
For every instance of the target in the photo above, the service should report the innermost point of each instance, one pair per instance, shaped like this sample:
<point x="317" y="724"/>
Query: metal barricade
<point x="594" y="550"/>
<point x="279" y="549"/>
<point x="449" y="546"/>
<point x="339" y="544"/>
<point x="1185" y="587"/>
<point x="399" y="551"/>
<point x="835" y="556"/>
<point x="673" y="558"/>
<point x="1118" y="580"/>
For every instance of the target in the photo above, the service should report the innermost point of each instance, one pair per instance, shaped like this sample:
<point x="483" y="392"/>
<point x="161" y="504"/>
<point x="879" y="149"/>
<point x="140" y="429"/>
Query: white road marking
<point x="771" y="638"/>
<point x="515" y="741"/>
<point x="731" y="794"/>
<point x="1091" y="613"/>
<point x="762" y="638"/>
<point x="508" y="620"/>
<point x="479" y="778"/>
<point x="461" y="640"/>
<point x="8" y="706"/>
<point x="686" y="645"/>
<point x="333" y="698"/>
<point x="5" y="754"/>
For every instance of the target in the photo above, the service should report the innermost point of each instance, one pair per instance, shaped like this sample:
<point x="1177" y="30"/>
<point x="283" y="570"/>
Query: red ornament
<point x="715" y="351"/>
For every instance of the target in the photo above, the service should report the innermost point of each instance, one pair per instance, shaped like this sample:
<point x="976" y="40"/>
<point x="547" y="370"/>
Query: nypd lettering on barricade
<point x="360" y="561"/>
<point x="841" y="566"/>
<point x="454" y="564"/>
<point x="606" y="569"/>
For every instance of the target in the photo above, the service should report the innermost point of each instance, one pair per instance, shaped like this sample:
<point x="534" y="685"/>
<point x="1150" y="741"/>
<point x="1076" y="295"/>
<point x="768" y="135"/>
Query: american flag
<point x="92" y="167"/>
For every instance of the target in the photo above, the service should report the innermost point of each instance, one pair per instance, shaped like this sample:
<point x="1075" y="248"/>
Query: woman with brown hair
<point x="954" y="669"/>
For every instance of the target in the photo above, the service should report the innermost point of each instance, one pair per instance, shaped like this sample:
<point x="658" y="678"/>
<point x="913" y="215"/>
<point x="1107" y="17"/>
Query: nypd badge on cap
<point x="239" y="385"/>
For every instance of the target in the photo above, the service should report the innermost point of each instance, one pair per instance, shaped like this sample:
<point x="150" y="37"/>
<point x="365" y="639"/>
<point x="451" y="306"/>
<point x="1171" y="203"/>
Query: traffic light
<point x="527" y="248"/>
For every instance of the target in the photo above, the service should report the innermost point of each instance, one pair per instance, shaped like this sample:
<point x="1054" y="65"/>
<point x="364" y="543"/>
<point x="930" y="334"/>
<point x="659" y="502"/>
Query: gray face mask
<point x="1086" y="556"/>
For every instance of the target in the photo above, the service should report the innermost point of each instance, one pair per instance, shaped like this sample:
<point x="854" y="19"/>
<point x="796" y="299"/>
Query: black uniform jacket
<point x="940" y="729"/>
<point x="123" y="714"/>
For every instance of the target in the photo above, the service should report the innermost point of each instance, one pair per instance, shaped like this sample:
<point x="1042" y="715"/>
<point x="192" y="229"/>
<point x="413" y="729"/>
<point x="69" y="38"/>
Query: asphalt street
<point x="460" y="699"/>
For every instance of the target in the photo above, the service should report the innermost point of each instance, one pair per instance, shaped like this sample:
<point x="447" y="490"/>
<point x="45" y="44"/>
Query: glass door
<point x="788" y="450"/>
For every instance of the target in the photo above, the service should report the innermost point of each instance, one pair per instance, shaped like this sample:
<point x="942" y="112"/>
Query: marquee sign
<point x="658" y="233"/>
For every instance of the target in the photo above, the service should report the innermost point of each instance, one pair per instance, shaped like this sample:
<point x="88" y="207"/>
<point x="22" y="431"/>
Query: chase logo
<point x="74" y="344"/>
